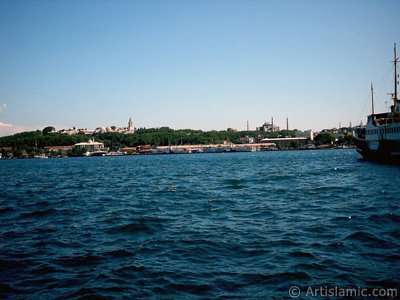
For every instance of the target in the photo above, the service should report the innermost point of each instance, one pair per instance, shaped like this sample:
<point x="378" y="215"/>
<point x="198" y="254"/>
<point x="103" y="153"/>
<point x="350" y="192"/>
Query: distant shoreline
<point x="172" y="153"/>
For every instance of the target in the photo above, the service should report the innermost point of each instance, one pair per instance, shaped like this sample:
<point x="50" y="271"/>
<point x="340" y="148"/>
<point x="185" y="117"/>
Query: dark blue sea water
<point x="243" y="225"/>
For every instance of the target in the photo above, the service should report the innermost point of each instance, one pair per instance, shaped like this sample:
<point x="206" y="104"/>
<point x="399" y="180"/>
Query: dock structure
<point x="286" y="141"/>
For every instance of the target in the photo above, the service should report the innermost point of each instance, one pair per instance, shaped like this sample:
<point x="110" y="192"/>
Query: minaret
<point x="247" y="125"/>
<point x="287" y="123"/>
<point x="272" y="123"/>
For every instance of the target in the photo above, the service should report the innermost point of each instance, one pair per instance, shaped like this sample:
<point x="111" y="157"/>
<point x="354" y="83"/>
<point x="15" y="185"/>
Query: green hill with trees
<point x="34" y="142"/>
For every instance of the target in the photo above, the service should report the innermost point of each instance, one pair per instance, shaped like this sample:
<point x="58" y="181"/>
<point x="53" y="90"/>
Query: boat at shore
<point x="379" y="139"/>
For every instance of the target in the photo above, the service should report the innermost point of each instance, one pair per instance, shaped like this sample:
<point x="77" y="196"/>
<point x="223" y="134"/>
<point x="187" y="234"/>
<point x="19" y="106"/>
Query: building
<point x="101" y="129"/>
<point x="91" y="146"/>
<point x="247" y="140"/>
<point x="60" y="150"/>
<point x="287" y="142"/>
<point x="70" y="131"/>
<point x="306" y="134"/>
<point x="268" y="127"/>
<point x="130" y="128"/>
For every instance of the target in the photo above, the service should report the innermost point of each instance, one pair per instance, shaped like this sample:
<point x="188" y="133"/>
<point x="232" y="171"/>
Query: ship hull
<point x="387" y="152"/>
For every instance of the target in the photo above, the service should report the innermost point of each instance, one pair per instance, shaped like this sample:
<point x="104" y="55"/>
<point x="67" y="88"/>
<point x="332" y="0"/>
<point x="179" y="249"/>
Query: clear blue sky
<point x="201" y="64"/>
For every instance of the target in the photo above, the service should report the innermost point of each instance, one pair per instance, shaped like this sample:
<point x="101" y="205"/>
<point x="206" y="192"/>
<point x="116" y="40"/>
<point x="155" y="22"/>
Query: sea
<point x="263" y="225"/>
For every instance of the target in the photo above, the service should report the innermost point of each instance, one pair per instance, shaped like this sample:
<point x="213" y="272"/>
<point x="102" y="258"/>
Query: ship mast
<point x="395" y="99"/>
<point x="372" y="98"/>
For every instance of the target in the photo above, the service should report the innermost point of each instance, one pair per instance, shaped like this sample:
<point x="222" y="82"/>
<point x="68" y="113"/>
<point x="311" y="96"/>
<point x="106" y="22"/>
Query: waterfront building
<point x="287" y="141"/>
<point x="90" y="146"/>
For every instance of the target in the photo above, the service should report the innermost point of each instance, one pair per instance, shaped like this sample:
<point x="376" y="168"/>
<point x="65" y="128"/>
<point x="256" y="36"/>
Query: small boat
<point x="379" y="140"/>
<point x="98" y="153"/>
<point x="41" y="156"/>
<point x="180" y="151"/>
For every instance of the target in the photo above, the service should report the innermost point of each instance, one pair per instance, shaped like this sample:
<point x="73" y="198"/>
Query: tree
<point x="48" y="130"/>
<point x="76" y="151"/>
<point x="324" y="138"/>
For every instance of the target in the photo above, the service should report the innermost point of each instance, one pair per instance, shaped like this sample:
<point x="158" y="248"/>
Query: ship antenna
<point x="372" y="98"/>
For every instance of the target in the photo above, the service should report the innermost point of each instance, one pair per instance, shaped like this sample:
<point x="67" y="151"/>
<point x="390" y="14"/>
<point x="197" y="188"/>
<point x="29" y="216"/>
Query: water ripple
<point x="242" y="226"/>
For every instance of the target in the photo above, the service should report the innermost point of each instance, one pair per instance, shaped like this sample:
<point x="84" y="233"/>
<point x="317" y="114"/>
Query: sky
<point x="199" y="64"/>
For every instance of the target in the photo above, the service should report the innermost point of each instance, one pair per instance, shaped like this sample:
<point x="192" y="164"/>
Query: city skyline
<point x="198" y="64"/>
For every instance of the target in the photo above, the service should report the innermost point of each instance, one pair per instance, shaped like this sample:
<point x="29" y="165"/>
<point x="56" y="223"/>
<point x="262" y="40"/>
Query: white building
<point x="90" y="146"/>
<point x="114" y="129"/>
<point x="307" y="134"/>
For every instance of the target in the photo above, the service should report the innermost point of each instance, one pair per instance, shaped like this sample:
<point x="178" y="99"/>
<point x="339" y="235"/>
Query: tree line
<point x="32" y="143"/>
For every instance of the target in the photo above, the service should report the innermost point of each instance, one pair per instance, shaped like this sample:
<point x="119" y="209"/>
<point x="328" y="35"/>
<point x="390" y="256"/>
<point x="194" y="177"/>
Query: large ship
<point x="379" y="139"/>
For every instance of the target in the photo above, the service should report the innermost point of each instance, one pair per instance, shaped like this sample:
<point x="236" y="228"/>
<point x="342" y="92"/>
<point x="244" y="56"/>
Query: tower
<point x="272" y="124"/>
<point x="130" y="125"/>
